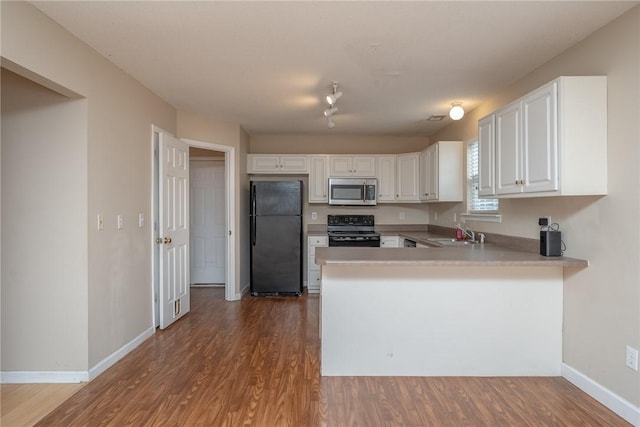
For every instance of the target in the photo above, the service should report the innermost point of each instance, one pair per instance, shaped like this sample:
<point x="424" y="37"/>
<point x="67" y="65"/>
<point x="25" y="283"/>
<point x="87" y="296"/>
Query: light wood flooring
<point x="256" y="362"/>
<point x="26" y="404"/>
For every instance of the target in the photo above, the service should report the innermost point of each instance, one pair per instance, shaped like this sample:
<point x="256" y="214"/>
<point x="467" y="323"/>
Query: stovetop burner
<point x="352" y="230"/>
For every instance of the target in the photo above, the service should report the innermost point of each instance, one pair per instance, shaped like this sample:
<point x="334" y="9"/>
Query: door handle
<point x="160" y="240"/>
<point x="167" y="240"/>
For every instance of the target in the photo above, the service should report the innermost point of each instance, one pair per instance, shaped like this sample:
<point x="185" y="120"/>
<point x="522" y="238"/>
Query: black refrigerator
<point x="276" y="238"/>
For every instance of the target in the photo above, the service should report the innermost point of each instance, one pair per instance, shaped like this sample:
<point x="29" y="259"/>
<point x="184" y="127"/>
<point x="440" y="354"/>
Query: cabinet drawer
<point x="313" y="283"/>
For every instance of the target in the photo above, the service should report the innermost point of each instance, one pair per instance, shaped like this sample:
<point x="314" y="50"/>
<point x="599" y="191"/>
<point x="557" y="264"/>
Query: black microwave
<point x="352" y="191"/>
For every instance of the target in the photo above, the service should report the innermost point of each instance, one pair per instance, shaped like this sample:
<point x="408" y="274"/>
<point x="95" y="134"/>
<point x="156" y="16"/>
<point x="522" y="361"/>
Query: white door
<point x="539" y="140"/>
<point x="207" y="219"/>
<point x="407" y="177"/>
<point x="433" y="172"/>
<point x="486" y="146"/>
<point x="508" y="150"/>
<point x="386" y="174"/>
<point x="174" y="230"/>
<point x="318" y="183"/>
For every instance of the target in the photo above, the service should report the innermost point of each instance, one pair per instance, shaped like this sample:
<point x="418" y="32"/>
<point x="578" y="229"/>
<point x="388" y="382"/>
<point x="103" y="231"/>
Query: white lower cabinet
<point x="313" y="269"/>
<point x="389" y="241"/>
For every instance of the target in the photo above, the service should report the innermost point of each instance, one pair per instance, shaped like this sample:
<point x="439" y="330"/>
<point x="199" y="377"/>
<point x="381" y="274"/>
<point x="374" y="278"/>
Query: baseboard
<point x="114" y="357"/>
<point x="602" y="394"/>
<point x="43" y="377"/>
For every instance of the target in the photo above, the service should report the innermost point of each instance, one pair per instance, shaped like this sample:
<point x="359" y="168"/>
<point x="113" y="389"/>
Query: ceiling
<point x="269" y="65"/>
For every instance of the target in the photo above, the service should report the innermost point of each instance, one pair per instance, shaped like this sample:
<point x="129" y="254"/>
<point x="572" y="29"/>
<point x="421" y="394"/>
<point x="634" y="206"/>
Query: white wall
<point x="602" y="302"/>
<point x="120" y="112"/>
<point x="44" y="223"/>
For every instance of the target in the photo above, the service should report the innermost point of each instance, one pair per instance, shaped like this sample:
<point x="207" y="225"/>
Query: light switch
<point x="120" y="222"/>
<point x="100" y="221"/>
<point x="140" y="220"/>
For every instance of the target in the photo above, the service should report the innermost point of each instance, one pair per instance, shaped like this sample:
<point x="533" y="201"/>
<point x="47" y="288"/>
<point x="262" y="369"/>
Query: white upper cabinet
<point x="277" y="164"/>
<point x="359" y="166"/>
<point x="386" y="174"/>
<point x="509" y="149"/>
<point x="318" y="179"/>
<point x="408" y="177"/>
<point x="486" y="156"/>
<point x="550" y="142"/>
<point x="441" y="174"/>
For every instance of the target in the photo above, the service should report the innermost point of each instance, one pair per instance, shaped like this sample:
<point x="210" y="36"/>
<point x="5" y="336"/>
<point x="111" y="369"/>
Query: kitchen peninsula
<point x="481" y="310"/>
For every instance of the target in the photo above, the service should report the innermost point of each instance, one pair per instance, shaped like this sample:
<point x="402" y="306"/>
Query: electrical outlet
<point x="401" y="215"/>
<point x="120" y="222"/>
<point x="544" y="220"/>
<point x="140" y="220"/>
<point x="455" y="217"/>
<point x="632" y="358"/>
<point x="435" y="216"/>
<point x="314" y="215"/>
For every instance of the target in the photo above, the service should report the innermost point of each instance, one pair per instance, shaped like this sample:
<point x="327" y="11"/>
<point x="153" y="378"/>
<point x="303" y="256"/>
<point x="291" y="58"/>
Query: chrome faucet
<point x="466" y="231"/>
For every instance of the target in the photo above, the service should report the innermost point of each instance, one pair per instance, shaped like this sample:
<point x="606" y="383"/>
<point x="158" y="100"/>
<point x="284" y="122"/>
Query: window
<point x="475" y="205"/>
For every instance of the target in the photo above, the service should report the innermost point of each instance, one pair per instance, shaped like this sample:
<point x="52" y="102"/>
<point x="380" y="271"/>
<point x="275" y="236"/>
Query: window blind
<point x="474" y="203"/>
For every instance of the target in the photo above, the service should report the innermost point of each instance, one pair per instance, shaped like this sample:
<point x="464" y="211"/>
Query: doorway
<point x="208" y="235"/>
<point x="229" y="218"/>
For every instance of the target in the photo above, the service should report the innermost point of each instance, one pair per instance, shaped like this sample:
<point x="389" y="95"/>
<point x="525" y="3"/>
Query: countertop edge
<point x="444" y="257"/>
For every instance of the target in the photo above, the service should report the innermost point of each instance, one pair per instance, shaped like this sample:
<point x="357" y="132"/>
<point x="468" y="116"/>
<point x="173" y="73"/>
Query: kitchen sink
<point x="453" y="242"/>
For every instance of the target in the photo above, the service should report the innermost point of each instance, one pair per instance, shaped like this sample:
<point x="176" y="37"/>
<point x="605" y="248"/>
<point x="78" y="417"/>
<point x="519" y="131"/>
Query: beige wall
<point x="602" y="302"/>
<point x="200" y="152"/>
<point x="118" y="147"/>
<point x="192" y="126"/>
<point x="44" y="222"/>
<point x="336" y="144"/>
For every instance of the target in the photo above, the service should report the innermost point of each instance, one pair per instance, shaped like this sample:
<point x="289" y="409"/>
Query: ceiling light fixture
<point x="456" y="112"/>
<point x="330" y="111"/>
<point x="331" y="99"/>
<point x="330" y="123"/>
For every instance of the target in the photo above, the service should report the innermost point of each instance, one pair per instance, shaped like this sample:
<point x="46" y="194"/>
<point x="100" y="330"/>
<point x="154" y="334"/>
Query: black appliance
<point x="550" y="243"/>
<point x="352" y="230"/>
<point x="276" y="238"/>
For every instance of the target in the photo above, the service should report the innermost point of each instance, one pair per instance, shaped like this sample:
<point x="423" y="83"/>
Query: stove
<point x="352" y="230"/>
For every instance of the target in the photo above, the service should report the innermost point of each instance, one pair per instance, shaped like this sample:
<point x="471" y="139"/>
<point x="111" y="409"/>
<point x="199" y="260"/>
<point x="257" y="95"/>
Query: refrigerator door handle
<point x="253" y="215"/>
<point x="253" y="202"/>
<point x="253" y="230"/>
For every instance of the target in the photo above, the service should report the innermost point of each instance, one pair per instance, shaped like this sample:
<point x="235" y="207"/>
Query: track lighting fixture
<point x="456" y="112"/>
<point x="330" y="111"/>
<point x="331" y="99"/>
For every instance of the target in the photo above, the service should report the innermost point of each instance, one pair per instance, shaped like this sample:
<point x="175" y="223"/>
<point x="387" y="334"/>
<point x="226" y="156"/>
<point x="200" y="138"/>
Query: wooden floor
<point x="25" y="404"/>
<point x="256" y="362"/>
